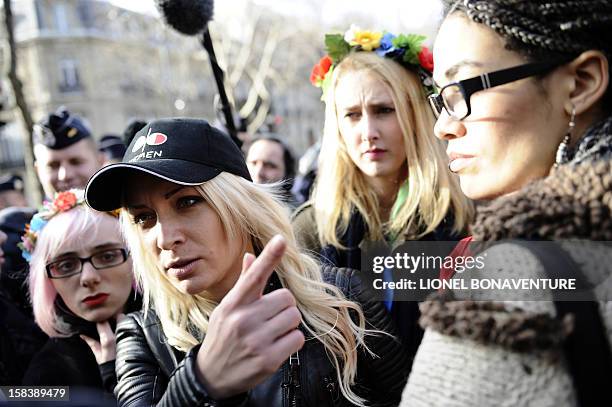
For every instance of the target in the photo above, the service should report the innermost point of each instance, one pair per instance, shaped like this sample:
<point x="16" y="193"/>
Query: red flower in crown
<point x="64" y="201"/>
<point x="320" y="70"/>
<point x="426" y="59"/>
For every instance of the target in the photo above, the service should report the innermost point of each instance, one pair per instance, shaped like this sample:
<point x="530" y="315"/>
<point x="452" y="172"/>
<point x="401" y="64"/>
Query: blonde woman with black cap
<point x="234" y="312"/>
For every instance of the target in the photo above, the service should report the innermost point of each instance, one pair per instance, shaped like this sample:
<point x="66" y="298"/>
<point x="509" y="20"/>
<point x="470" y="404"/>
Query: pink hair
<point x="77" y="227"/>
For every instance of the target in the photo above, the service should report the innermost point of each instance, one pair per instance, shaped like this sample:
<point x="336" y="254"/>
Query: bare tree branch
<point x="26" y="117"/>
<point x="245" y="50"/>
<point x="265" y="54"/>
<point x="259" y="76"/>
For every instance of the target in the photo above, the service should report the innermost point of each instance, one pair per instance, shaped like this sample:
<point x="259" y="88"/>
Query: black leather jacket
<point x="150" y="372"/>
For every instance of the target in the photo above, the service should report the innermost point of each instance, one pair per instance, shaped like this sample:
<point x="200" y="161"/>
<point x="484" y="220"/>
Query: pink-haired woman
<point x="80" y="282"/>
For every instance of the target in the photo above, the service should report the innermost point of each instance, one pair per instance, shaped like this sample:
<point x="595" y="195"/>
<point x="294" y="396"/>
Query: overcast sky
<point x="421" y="16"/>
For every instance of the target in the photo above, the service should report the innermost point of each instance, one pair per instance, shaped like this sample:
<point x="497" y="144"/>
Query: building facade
<point x="111" y="65"/>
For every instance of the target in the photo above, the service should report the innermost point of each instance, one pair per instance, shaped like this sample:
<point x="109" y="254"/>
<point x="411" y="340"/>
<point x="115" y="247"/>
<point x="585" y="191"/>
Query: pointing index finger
<point x="252" y="281"/>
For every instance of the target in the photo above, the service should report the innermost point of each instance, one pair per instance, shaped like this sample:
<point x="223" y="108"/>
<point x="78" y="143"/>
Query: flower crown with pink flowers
<point x="63" y="202"/>
<point x="406" y="49"/>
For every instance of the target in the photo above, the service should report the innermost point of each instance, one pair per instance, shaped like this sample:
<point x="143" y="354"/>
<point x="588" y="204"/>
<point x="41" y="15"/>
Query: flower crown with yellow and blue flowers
<point x="406" y="49"/>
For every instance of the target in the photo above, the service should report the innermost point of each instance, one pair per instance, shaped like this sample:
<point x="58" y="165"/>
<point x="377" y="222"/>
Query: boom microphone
<point x="186" y="16"/>
<point x="191" y="17"/>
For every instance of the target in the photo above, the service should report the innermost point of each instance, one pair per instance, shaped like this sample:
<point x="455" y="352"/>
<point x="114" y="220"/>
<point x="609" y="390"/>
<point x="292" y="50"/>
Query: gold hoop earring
<point x="561" y="155"/>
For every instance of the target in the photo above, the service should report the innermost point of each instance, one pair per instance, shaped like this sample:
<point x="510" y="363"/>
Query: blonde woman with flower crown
<point x="382" y="175"/>
<point x="222" y="326"/>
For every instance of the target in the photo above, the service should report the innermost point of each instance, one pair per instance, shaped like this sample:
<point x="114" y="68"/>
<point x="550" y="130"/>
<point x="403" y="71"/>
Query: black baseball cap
<point x="179" y="150"/>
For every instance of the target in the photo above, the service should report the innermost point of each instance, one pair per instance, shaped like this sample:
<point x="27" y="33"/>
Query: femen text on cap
<point x="179" y="150"/>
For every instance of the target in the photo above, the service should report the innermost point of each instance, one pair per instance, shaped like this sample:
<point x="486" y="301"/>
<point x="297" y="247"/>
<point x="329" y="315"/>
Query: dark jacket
<point x="14" y="271"/>
<point x="20" y="339"/>
<point x="405" y="314"/>
<point x="68" y="362"/>
<point x="150" y="372"/>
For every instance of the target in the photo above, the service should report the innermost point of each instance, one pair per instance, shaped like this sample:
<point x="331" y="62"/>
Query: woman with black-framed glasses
<point x="524" y="103"/>
<point x="68" y="266"/>
<point x="454" y="98"/>
<point x="80" y="282"/>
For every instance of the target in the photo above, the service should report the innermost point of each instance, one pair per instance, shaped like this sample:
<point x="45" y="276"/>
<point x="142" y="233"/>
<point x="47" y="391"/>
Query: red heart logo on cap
<point x="155" y="139"/>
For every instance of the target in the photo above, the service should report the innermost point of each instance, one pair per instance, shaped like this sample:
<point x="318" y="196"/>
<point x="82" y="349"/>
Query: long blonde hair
<point x="249" y="211"/>
<point x="432" y="190"/>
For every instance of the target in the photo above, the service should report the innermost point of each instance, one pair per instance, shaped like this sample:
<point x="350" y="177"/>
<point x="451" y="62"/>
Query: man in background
<point x="11" y="191"/>
<point x="65" y="153"/>
<point x="269" y="160"/>
<point x="112" y="147"/>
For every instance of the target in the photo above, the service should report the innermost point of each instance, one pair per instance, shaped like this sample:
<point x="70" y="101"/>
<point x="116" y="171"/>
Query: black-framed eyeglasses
<point x="71" y="265"/>
<point x="455" y="97"/>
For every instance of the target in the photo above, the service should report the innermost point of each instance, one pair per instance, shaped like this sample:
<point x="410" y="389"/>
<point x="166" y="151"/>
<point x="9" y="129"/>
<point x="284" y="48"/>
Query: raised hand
<point x="250" y="334"/>
<point x="105" y="349"/>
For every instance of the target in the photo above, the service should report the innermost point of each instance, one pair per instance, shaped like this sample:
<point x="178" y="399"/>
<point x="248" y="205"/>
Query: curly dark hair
<point x="545" y="29"/>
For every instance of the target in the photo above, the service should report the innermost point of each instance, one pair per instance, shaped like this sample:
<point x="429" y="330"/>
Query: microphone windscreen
<point x="186" y="16"/>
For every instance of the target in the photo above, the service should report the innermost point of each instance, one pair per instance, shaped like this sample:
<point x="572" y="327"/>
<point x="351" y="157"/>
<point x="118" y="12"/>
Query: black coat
<point x="150" y="372"/>
<point x="405" y="314"/>
<point x="70" y="362"/>
<point x="67" y="362"/>
<point x="14" y="271"/>
<point x="20" y="339"/>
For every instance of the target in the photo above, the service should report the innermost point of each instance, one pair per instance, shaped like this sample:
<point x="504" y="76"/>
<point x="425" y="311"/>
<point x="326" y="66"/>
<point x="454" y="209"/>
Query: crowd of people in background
<point x="170" y="266"/>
